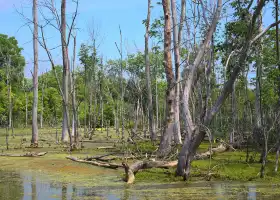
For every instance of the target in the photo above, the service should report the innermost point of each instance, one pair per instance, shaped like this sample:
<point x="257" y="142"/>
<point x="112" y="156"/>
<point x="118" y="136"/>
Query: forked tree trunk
<point x="34" y="140"/>
<point x="195" y="133"/>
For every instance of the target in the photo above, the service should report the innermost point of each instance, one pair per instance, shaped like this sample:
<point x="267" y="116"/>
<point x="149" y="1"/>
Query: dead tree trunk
<point x="74" y="106"/>
<point x="177" y="129"/>
<point x="278" y="64"/>
<point x="165" y="143"/>
<point x="66" y="123"/>
<point x="42" y="109"/>
<point x="148" y="76"/>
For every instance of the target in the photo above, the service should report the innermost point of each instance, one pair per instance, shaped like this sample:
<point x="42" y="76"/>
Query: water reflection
<point x="25" y="186"/>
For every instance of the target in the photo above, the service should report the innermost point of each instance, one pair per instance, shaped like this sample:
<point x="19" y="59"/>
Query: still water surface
<point x="31" y="186"/>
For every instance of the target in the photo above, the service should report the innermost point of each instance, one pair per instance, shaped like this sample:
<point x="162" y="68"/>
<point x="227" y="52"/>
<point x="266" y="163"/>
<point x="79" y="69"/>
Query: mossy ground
<point x="223" y="166"/>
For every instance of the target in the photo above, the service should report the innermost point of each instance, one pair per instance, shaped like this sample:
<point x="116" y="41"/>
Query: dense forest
<point x="209" y="75"/>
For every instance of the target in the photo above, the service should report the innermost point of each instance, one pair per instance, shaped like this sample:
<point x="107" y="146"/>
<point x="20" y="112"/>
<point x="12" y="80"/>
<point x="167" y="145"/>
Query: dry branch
<point x="28" y="154"/>
<point x="108" y="147"/>
<point x="98" y="157"/>
<point x="95" y="163"/>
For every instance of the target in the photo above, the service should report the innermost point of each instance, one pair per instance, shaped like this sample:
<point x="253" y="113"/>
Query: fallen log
<point x="98" y="157"/>
<point x="219" y="149"/>
<point x="108" y="147"/>
<point x="130" y="171"/>
<point x="28" y="154"/>
<point x="95" y="163"/>
<point x="97" y="141"/>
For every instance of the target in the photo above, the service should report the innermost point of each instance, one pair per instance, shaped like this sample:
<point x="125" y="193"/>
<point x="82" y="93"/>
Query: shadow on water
<point x="29" y="186"/>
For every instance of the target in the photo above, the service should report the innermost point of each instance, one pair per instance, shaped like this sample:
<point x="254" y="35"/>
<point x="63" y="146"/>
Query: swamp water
<point x="27" y="185"/>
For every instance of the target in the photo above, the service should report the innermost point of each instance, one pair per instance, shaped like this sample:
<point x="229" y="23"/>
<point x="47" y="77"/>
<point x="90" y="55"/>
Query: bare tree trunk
<point x="165" y="143"/>
<point x="157" y="106"/>
<point x="233" y="110"/>
<point x="85" y="106"/>
<point x="278" y="60"/>
<point x="121" y="81"/>
<point x="258" y="129"/>
<point x="74" y="106"/>
<point x="34" y="140"/>
<point x="26" y="108"/>
<point x="10" y="103"/>
<point x="177" y="128"/>
<point x="195" y="133"/>
<point x="66" y="124"/>
<point x="148" y="76"/>
<point x="42" y="110"/>
<point x="136" y="119"/>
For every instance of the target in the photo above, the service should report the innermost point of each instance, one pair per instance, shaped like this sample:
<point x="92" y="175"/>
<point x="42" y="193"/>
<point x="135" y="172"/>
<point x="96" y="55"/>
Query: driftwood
<point x="130" y="171"/>
<point x="100" y="164"/>
<point x="28" y="154"/>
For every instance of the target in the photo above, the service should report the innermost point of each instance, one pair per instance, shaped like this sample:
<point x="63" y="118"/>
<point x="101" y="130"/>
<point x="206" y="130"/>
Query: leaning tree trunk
<point x="34" y="140"/>
<point x="195" y="133"/>
<point x="165" y="143"/>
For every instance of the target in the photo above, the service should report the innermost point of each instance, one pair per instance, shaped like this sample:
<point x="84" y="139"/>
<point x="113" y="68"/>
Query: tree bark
<point x="278" y="64"/>
<point x="34" y="140"/>
<point x="66" y="124"/>
<point x="42" y="109"/>
<point x="195" y="134"/>
<point x="26" y="109"/>
<point x="74" y="106"/>
<point x="177" y="129"/>
<point x="165" y="143"/>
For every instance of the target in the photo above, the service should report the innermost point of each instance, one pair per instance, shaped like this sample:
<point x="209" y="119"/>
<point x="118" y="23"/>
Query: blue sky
<point x="106" y="14"/>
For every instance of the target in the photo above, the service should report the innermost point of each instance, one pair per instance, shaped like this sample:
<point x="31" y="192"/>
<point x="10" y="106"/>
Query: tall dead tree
<point x="176" y="43"/>
<point x="34" y="140"/>
<point x="165" y="144"/>
<point x="66" y="71"/>
<point x="65" y="40"/>
<point x="74" y="104"/>
<point x="148" y="76"/>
